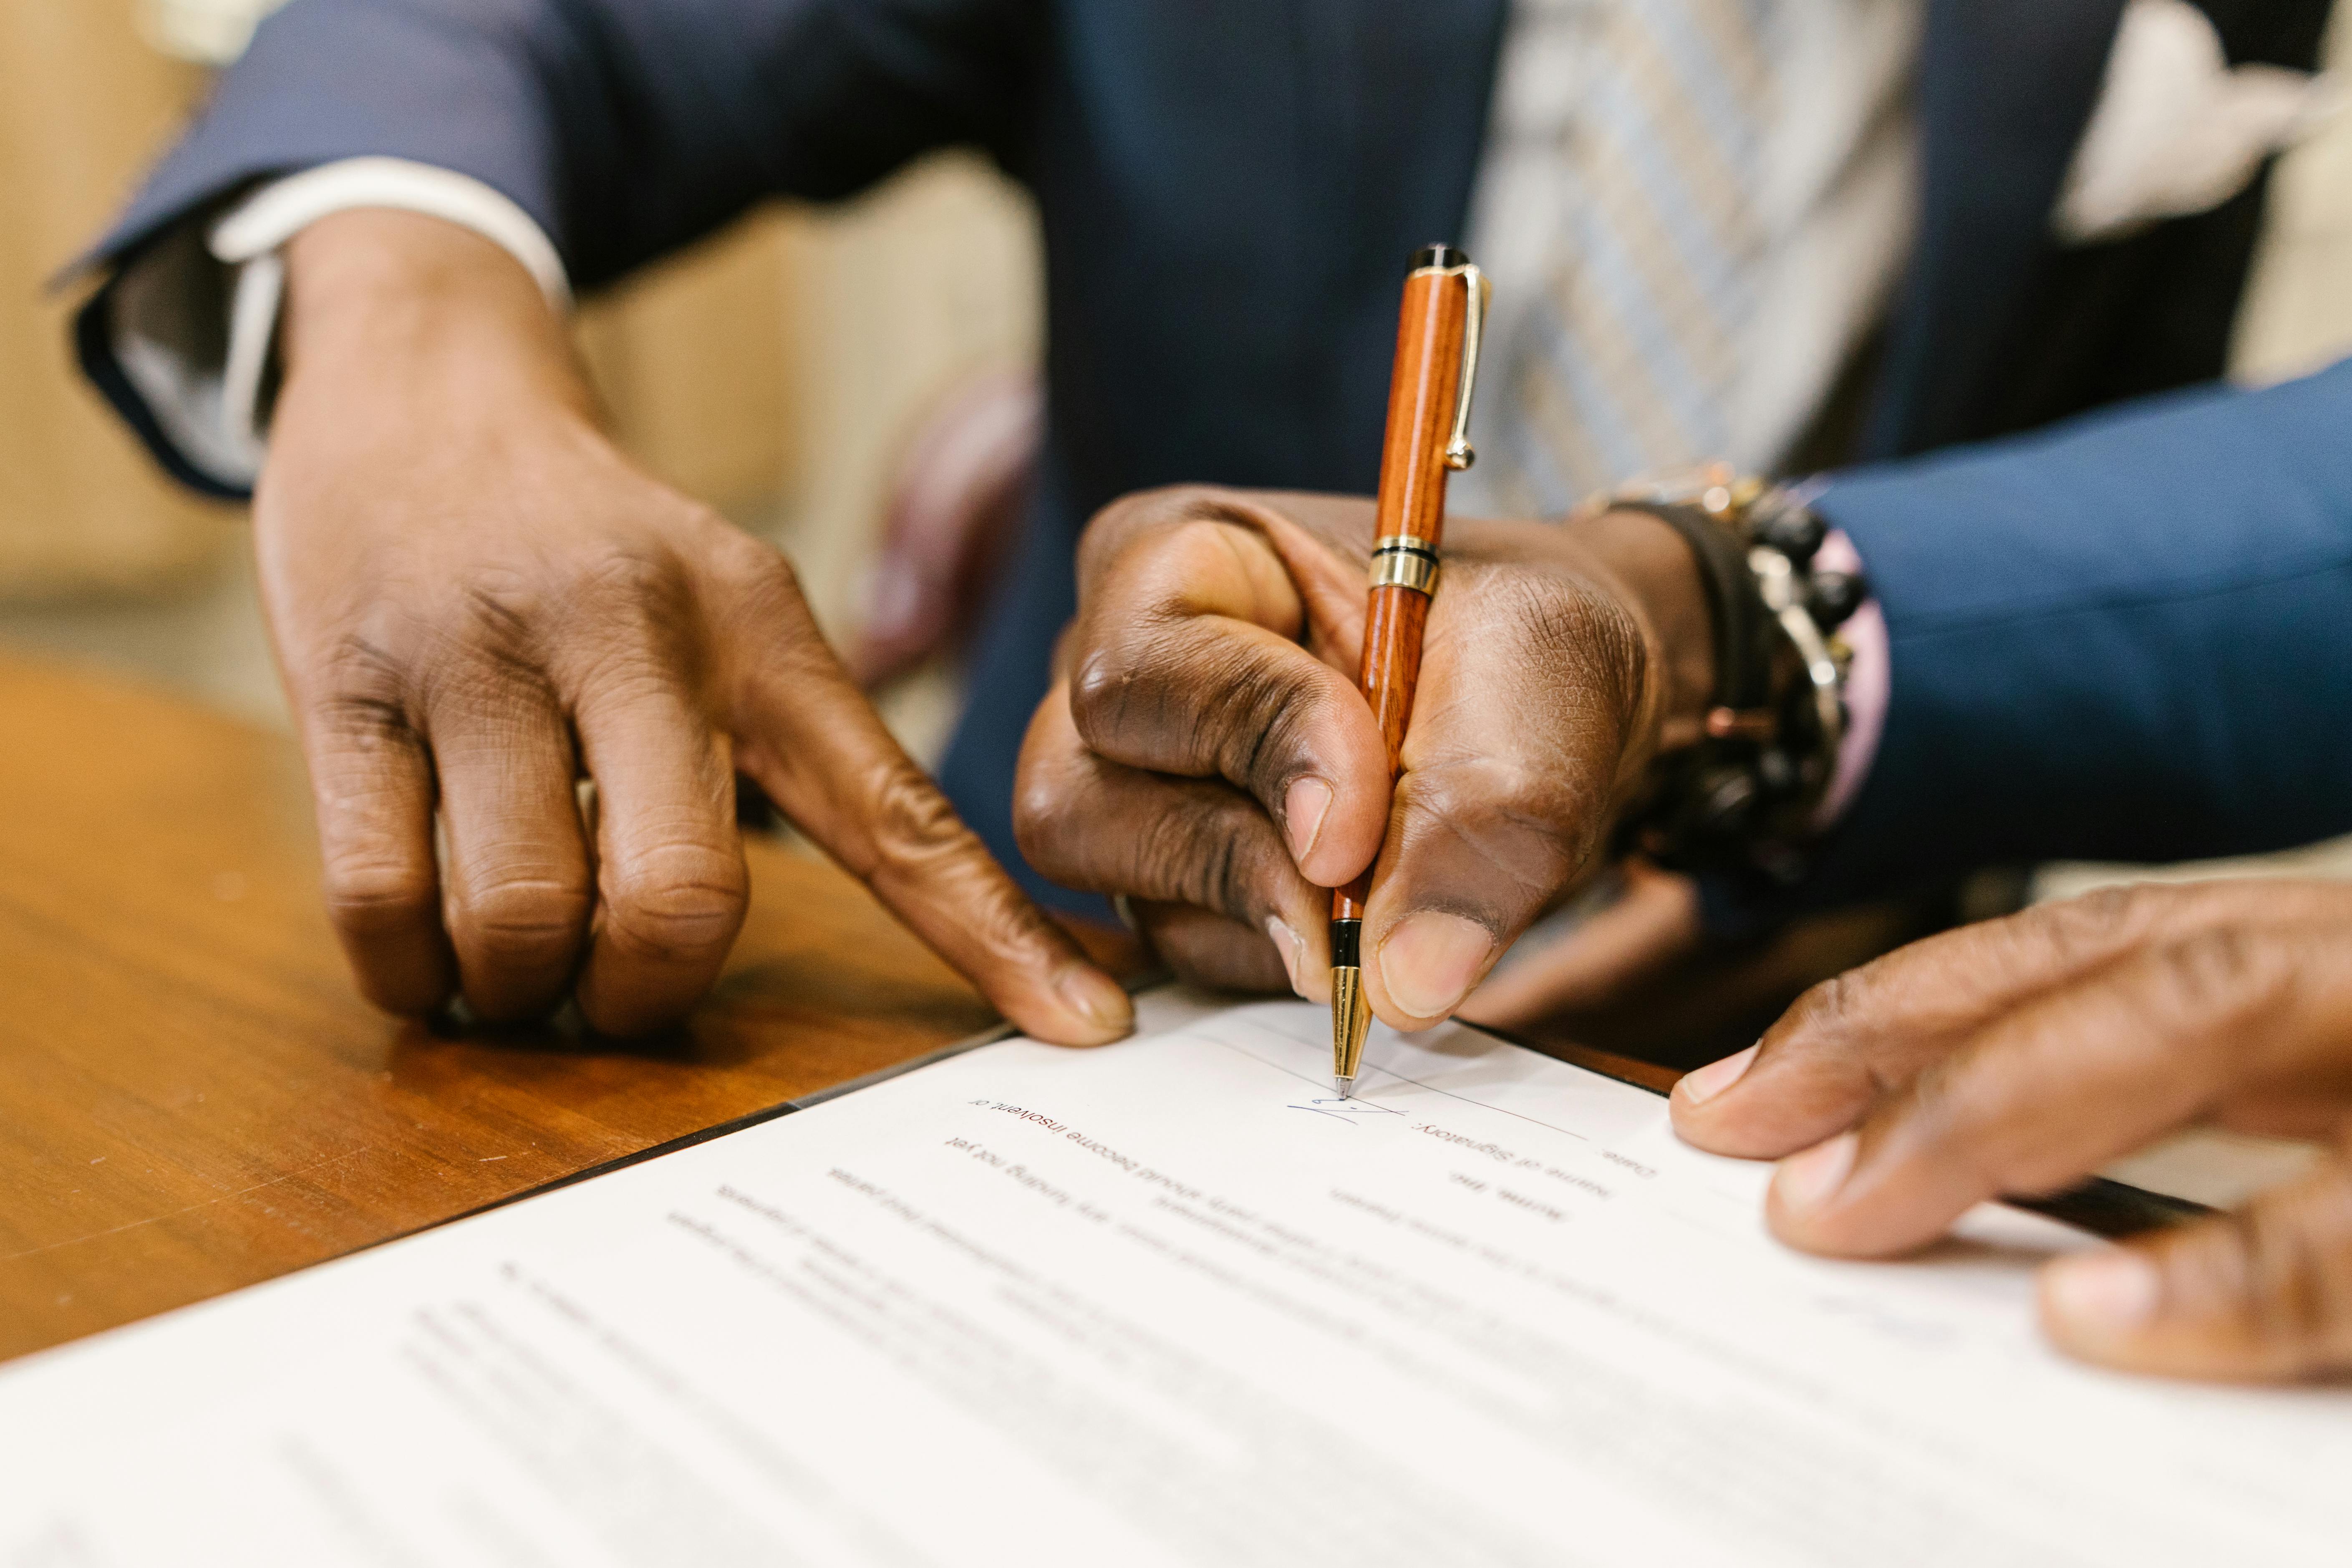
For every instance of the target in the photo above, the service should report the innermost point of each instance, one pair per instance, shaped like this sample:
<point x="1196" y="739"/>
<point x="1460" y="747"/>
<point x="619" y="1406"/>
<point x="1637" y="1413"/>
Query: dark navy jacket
<point x="2133" y="639"/>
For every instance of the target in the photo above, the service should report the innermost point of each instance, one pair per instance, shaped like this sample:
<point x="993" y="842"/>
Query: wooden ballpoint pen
<point x="1428" y="439"/>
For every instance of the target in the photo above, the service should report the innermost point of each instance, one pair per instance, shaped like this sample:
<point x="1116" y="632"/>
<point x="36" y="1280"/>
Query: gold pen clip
<point x="1459" y="453"/>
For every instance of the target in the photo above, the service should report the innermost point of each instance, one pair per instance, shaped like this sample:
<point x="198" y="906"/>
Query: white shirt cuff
<point x="2177" y="130"/>
<point x="216" y="414"/>
<point x="275" y="213"/>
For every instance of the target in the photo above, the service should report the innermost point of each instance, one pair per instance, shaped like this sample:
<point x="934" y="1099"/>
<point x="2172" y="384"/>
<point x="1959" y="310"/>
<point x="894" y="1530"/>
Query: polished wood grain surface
<point x="194" y="1099"/>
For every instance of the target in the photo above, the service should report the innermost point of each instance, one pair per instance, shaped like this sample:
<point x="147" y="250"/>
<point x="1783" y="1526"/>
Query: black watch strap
<point x="1735" y="611"/>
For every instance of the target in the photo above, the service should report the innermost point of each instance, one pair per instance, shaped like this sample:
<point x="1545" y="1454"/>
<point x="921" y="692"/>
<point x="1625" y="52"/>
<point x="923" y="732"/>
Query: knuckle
<point x="1193" y="702"/>
<point x="1127" y="673"/>
<point x="1185" y="500"/>
<point x="369" y="897"/>
<point x="1186" y="852"/>
<point x="630" y="595"/>
<point x="2219" y="978"/>
<point x="358" y="698"/>
<point x="2103" y="911"/>
<point x="677" y="901"/>
<point x="627" y="578"/>
<point x="1825" y="1008"/>
<point x="358" y="740"/>
<point x="521" y="919"/>
<point x="922" y="847"/>
<point x="482" y="647"/>
<point x="1203" y="869"/>
<point x="1101" y="690"/>
<point x="1005" y="924"/>
<point x="764" y="598"/>
<point x="912" y="824"/>
<point x="756" y="568"/>
<point x="362" y="681"/>
<point x="2293" y="1277"/>
<point x="2075" y="928"/>
<point x="622" y="595"/>
<point x="630" y="629"/>
<point x="1834" y="1028"/>
<point x="500" y="613"/>
<point x="1267" y="712"/>
<point x="1112" y="527"/>
<point x="1046" y="811"/>
<point x="1158" y="668"/>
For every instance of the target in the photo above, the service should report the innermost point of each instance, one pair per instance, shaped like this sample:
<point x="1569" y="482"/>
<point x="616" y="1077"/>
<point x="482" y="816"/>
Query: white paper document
<point x="1162" y="1303"/>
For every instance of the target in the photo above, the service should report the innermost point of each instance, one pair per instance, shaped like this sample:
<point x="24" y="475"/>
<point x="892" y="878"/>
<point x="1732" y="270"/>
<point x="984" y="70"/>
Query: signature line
<point x="1374" y="1067"/>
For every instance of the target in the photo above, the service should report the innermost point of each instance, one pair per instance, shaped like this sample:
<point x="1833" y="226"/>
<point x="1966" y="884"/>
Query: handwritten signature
<point x="1347" y="1110"/>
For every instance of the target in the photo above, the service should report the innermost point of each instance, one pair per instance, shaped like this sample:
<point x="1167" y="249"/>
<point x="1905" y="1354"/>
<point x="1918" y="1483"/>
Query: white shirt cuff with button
<point x="213" y="412"/>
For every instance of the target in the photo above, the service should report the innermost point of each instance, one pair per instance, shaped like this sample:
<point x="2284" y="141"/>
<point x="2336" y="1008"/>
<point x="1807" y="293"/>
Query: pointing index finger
<point x="808" y="736"/>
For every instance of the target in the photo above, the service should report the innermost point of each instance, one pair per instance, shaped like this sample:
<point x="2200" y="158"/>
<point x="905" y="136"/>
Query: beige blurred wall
<point x="84" y="103"/>
<point x="903" y="296"/>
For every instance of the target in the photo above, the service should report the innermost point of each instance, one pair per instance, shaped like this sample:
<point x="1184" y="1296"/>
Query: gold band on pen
<point x="1401" y="561"/>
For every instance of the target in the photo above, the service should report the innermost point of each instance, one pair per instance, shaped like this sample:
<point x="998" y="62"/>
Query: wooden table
<point x="193" y="1098"/>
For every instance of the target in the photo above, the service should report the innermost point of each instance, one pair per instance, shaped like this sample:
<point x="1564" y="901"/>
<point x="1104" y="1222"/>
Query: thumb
<point x="2264" y="1293"/>
<point x="1529" y="695"/>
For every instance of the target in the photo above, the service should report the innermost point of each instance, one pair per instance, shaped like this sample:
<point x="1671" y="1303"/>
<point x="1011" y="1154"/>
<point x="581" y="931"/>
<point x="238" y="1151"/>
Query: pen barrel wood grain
<point x="1423" y="386"/>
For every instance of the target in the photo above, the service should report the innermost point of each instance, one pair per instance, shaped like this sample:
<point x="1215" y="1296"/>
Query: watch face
<point x="1716" y="488"/>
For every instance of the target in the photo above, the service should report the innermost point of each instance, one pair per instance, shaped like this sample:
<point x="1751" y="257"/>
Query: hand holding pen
<point x="1436" y="368"/>
<point x="1207" y="751"/>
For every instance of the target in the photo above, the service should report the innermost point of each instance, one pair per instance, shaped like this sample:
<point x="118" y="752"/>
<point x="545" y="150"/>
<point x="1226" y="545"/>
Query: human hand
<point x="2022" y="1054"/>
<point x="476" y="603"/>
<point x="1205" y="749"/>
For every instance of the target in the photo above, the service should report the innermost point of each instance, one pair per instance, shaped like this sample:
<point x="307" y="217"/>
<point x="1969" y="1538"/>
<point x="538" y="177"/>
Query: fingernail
<point x="2111" y="1291"/>
<point x="1429" y="960"/>
<point x="1807" y="1181"/>
<point x="1287" y="943"/>
<point x="1304" y="808"/>
<point x="1703" y="1084"/>
<point x="1095" y="997"/>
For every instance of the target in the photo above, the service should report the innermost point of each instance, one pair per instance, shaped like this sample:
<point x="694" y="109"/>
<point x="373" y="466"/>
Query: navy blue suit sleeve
<point x="626" y="128"/>
<point x="2127" y="637"/>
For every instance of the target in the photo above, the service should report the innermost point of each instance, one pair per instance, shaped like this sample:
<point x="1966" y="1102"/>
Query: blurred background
<point x="781" y="372"/>
<point x="784" y="370"/>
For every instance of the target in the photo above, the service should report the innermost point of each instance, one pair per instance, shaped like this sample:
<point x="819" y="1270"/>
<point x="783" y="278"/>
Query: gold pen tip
<point x="1350" y="1018"/>
<point x="1344" y="1086"/>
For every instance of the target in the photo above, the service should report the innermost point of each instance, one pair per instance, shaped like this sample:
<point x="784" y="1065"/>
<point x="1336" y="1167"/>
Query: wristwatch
<point x="1745" y="793"/>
